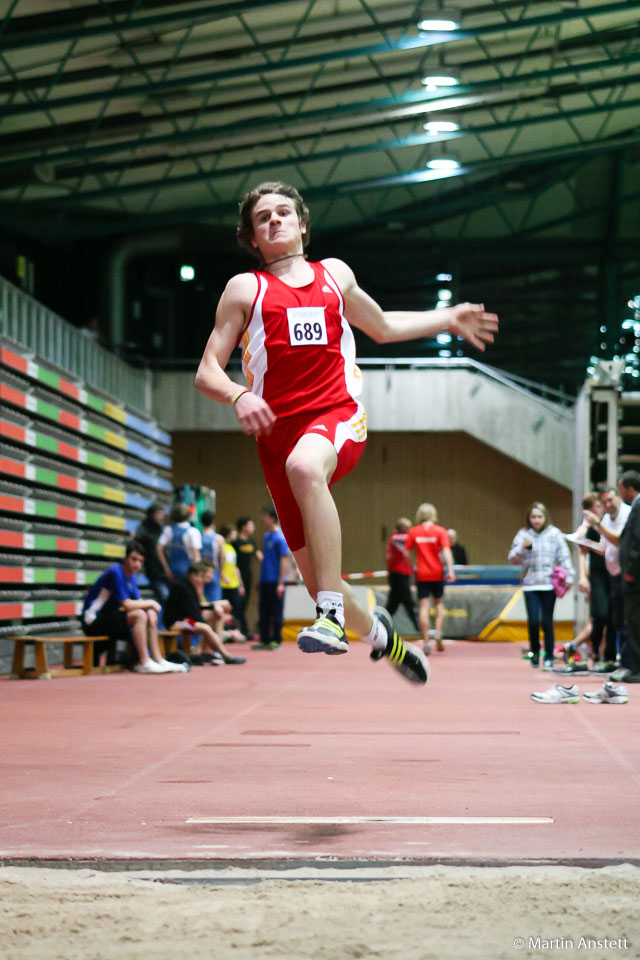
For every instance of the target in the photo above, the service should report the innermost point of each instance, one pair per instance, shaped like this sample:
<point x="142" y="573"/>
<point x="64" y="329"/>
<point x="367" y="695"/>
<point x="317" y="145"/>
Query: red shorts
<point x="345" y="427"/>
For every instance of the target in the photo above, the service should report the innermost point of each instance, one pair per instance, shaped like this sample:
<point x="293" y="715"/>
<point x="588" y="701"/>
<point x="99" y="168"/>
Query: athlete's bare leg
<point x="439" y="605"/>
<point x="424" y="617"/>
<point x="310" y="466"/>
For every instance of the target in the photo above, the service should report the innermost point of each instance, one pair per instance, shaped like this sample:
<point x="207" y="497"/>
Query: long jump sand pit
<point x="413" y="913"/>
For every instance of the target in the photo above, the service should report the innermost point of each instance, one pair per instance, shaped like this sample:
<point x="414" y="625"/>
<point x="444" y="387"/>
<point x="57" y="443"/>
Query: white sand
<point x="416" y="914"/>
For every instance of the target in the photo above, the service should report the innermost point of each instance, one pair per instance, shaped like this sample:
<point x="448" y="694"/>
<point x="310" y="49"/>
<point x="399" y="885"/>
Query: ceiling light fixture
<point x="440" y="126"/>
<point x="433" y="81"/>
<point x="439" y="21"/>
<point x="442" y="163"/>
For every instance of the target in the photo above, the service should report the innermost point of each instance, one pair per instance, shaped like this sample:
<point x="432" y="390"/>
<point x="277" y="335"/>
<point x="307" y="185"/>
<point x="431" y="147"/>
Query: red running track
<point x="116" y="766"/>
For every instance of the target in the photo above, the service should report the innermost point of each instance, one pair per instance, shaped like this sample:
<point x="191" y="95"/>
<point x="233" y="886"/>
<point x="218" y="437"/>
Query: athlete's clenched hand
<point x="254" y="414"/>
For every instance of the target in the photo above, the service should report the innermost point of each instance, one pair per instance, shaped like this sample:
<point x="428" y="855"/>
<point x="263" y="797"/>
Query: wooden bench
<point x="172" y="640"/>
<point x="43" y="671"/>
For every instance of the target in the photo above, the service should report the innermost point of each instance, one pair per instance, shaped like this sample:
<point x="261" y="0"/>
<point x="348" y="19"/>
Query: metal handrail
<point x="53" y="340"/>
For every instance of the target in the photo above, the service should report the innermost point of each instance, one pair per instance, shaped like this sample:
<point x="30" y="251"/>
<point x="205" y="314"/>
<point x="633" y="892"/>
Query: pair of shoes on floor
<point x="604" y="666"/>
<point x="610" y="693"/>
<point x="217" y="660"/>
<point x="327" y="635"/>
<point x="574" y="666"/>
<point x="161" y="666"/>
<point x="435" y="635"/>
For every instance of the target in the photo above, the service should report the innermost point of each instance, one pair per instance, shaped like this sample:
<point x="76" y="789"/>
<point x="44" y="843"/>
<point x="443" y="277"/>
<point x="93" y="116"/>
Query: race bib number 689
<point x="307" y="326"/>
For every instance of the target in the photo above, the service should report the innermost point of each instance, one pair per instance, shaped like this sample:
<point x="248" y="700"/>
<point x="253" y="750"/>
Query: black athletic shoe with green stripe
<point x="407" y="659"/>
<point x="326" y="635"/>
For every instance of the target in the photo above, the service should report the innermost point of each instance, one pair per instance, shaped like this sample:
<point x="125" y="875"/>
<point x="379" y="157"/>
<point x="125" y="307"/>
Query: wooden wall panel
<point x="477" y="490"/>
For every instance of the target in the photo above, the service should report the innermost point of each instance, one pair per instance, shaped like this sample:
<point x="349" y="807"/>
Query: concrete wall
<point x="477" y="489"/>
<point x="518" y="424"/>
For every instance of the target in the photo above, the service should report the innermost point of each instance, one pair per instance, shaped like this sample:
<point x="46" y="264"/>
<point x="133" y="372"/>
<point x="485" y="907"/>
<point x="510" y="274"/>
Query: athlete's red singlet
<point x="298" y="351"/>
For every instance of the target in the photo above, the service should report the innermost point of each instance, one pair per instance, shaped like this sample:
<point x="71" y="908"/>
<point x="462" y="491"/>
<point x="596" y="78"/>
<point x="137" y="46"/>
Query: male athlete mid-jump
<point x="292" y="319"/>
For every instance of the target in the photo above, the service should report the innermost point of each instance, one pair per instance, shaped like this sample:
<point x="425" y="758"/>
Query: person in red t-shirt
<point x="430" y="542"/>
<point x="293" y="321"/>
<point x="400" y="573"/>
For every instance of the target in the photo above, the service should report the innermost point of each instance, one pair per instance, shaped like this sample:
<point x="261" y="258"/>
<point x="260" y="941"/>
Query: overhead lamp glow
<point x="445" y="294"/>
<point x="438" y="25"/>
<point x="187" y="272"/>
<point x="444" y="277"/>
<point x="444" y="338"/>
<point x="444" y="353"/>
<point x="432" y="18"/>
<point x="442" y="163"/>
<point x="435" y="80"/>
<point x="440" y="126"/>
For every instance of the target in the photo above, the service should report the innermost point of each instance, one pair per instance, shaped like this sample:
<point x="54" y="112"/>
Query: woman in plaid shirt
<point x="539" y="547"/>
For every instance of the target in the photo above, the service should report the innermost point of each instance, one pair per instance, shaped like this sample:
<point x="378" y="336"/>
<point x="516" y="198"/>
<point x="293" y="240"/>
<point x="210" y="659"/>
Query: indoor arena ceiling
<point x="133" y="115"/>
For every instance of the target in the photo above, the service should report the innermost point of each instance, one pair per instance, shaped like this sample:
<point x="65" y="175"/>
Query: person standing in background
<point x="156" y="569"/>
<point x="457" y="550"/>
<point x="629" y="485"/>
<point x="399" y="572"/>
<point x="247" y="551"/>
<point x="212" y="552"/>
<point x="230" y="579"/>
<point x="273" y="573"/>
<point x="430" y="543"/>
<point x="181" y="541"/>
<point x="540" y="547"/>
<point x="610" y="526"/>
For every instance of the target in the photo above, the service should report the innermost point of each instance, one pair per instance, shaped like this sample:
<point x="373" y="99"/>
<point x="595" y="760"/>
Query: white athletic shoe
<point x="558" y="694"/>
<point x="609" y="693"/>
<point x="169" y="667"/>
<point x="149" y="667"/>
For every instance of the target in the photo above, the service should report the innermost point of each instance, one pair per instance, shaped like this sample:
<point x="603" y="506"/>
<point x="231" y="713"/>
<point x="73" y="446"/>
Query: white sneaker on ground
<point x="169" y="667"/>
<point x="558" y="694"/>
<point x="149" y="667"/>
<point x="608" y="693"/>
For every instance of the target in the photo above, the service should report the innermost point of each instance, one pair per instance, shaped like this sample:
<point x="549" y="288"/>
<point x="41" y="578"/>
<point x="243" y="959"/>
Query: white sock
<point x="377" y="636"/>
<point x="330" y="602"/>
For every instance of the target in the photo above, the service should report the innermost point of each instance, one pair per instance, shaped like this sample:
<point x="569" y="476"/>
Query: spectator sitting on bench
<point x="231" y="634"/>
<point x="113" y="607"/>
<point x="183" y="611"/>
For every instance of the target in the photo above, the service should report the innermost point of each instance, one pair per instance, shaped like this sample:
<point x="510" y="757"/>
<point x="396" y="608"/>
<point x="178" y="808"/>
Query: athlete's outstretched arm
<point x="254" y="414"/>
<point x="467" y="320"/>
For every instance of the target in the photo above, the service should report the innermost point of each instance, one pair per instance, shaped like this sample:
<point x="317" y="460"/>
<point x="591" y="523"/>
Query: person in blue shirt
<point x="273" y="570"/>
<point x="113" y="607"/>
<point x="180" y="542"/>
<point x="212" y="551"/>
